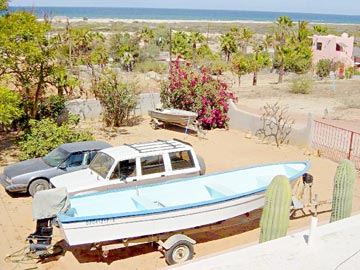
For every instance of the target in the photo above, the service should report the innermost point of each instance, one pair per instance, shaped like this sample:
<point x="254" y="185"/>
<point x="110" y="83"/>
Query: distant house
<point x="335" y="48"/>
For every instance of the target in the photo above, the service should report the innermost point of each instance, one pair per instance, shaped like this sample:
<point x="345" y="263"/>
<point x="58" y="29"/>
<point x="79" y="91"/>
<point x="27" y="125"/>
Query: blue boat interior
<point x="189" y="191"/>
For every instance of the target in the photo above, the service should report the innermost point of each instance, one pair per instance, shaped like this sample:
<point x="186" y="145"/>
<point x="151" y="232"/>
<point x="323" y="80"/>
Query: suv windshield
<point x="55" y="157"/>
<point x="101" y="164"/>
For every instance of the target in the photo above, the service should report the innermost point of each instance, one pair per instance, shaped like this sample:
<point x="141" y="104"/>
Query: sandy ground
<point x="221" y="149"/>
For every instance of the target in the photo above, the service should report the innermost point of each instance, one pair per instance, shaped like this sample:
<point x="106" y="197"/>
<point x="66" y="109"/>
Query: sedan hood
<point x="77" y="181"/>
<point x="24" y="167"/>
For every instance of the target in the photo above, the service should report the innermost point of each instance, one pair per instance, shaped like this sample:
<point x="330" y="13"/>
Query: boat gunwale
<point x="63" y="218"/>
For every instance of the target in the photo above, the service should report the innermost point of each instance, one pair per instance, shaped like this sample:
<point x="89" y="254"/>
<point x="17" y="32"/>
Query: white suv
<point x="133" y="164"/>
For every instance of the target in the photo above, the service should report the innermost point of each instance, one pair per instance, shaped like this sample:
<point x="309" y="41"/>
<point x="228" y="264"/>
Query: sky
<point x="349" y="7"/>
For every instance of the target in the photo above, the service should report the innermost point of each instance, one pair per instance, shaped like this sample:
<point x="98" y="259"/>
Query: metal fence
<point x="336" y="143"/>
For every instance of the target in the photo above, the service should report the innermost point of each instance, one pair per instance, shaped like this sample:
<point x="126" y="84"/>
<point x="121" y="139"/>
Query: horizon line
<point x="291" y="12"/>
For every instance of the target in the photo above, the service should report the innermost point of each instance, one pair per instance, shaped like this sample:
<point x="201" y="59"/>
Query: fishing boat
<point x="182" y="118"/>
<point x="171" y="206"/>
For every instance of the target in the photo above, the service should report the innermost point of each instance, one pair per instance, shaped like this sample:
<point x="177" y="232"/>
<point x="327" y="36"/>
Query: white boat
<point x="177" y="117"/>
<point x="171" y="206"/>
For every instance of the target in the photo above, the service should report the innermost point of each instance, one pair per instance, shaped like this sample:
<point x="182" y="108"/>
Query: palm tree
<point x="228" y="45"/>
<point x="303" y="31"/>
<point x="245" y="36"/>
<point x="258" y="60"/>
<point x="283" y="31"/>
<point x="146" y="35"/>
<point x="194" y="39"/>
<point x="320" y="29"/>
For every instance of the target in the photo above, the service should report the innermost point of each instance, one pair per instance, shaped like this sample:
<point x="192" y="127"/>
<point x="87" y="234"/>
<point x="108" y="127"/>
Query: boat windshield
<point x="56" y="157"/>
<point x="101" y="164"/>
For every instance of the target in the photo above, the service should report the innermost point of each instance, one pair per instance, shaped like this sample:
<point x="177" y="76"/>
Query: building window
<point x="318" y="46"/>
<point x="339" y="48"/>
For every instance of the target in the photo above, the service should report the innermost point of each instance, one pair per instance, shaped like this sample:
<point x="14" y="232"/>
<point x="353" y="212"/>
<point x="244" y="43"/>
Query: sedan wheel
<point x="37" y="185"/>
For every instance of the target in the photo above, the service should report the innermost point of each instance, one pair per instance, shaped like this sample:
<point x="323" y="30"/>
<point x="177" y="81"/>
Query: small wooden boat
<point x="171" y="206"/>
<point x="177" y="117"/>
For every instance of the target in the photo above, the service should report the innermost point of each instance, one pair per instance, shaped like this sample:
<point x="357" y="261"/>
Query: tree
<point x="303" y="31"/>
<point x="124" y="48"/>
<point x="258" y="60"/>
<point x="245" y="36"/>
<point x="194" y="39"/>
<point x="9" y="106"/>
<point x="146" y="35"/>
<point x="3" y="5"/>
<point x="240" y="65"/>
<point x="282" y="32"/>
<point x="228" y="45"/>
<point x="28" y="56"/>
<point x="320" y="29"/>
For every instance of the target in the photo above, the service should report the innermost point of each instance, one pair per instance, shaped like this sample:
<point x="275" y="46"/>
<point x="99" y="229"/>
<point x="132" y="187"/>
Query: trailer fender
<point x="174" y="239"/>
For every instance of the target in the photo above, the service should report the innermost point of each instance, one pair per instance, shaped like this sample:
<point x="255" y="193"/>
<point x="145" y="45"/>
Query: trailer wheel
<point x="181" y="251"/>
<point x="153" y="124"/>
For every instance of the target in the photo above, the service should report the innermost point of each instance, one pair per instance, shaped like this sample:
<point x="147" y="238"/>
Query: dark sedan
<point x="34" y="174"/>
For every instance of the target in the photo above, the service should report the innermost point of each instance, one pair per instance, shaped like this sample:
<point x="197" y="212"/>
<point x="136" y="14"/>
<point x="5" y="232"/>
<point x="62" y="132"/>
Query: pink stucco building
<point x="335" y="48"/>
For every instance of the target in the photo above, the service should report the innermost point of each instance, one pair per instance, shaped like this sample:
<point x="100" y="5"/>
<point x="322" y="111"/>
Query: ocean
<point x="184" y="14"/>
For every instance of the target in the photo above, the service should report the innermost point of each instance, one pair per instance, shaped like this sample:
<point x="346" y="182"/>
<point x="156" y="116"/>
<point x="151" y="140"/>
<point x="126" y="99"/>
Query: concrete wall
<point x="89" y="109"/>
<point x="248" y="122"/>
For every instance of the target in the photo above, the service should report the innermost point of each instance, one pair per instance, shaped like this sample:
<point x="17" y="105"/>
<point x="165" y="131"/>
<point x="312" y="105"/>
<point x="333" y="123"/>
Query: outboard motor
<point x="41" y="238"/>
<point x="47" y="204"/>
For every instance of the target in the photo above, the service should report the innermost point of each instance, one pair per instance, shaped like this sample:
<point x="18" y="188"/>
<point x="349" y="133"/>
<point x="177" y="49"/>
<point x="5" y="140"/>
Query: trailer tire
<point x="181" y="251"/>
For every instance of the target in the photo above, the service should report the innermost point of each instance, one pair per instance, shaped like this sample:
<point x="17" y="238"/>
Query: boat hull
<point x="175" y="117"/>
<point x="108" y="229"/>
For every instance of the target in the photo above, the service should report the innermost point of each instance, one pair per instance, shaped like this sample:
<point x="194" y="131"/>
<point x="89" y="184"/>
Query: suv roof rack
<point x="158" y="145"/>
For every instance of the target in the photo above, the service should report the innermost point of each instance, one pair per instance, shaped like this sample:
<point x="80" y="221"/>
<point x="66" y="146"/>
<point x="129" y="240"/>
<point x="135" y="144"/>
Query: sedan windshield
<point x="101" y="164"/>
<point x="56" y="157"/>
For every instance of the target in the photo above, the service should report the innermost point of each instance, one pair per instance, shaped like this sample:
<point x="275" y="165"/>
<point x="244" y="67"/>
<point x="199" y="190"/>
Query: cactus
<point x="343" y="191"/>
<point x="275" y="216"/>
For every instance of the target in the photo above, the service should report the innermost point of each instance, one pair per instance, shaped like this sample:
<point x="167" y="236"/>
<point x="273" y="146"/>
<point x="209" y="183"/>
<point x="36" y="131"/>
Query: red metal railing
<point x="336" y="143"/>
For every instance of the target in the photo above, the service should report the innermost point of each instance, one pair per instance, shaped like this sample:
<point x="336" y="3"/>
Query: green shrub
<point x="323" y="68"/>
<point x="53" y="107"/>
<point x="45" y="135"/>
<point x="118" y="99"/>
<point x="301" y="85"/>
<point x="150" y="65"/>
<point x="9" y="106"/>
<point x="349" y="72"/>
